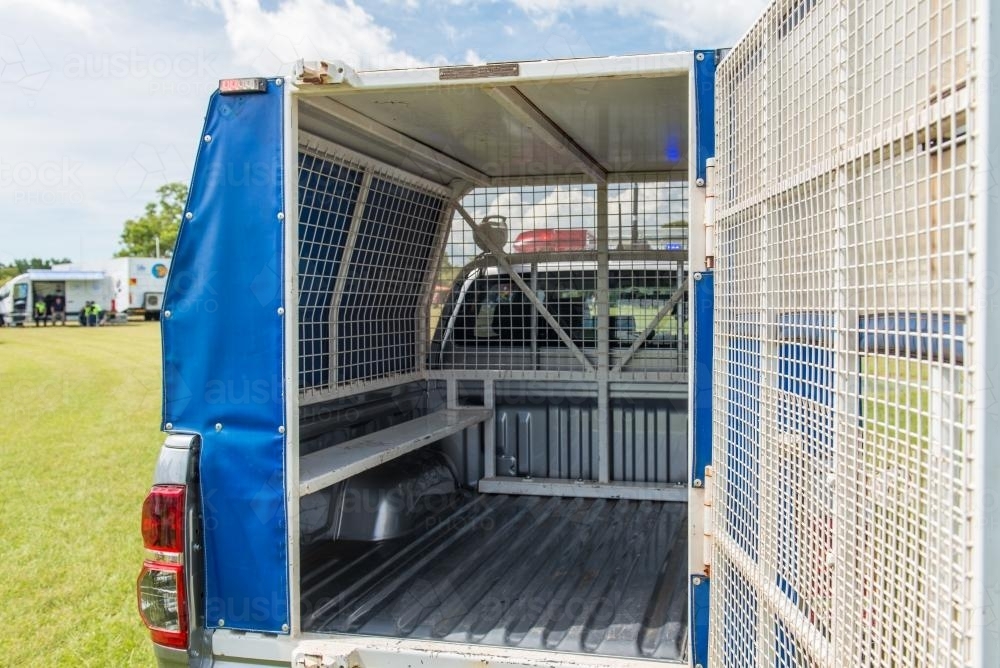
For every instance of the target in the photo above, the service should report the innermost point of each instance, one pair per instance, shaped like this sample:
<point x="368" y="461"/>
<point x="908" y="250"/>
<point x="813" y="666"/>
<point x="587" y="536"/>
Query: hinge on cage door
<point x="708" y="521"/>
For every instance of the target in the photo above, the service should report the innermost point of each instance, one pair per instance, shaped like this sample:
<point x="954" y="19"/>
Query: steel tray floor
<point x="596" y="576"/>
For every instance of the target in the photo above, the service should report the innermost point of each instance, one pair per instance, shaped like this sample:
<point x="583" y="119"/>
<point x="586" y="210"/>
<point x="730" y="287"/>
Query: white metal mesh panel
<point x="551" y="238"/>
<point x="843" y="368"/>
<point x="368" y="241"/>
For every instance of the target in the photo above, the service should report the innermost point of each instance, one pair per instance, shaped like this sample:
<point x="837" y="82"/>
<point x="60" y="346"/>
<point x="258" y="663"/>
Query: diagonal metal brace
<point x="651" y="327"/>
<point x="528" y="292"/>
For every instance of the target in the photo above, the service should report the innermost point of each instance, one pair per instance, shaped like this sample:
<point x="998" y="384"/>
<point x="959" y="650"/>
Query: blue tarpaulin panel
<point x="223" y="374"/>
<point x="704" y="340"/>
<point x="704" y="90"/>
<point x="700" y="598"/>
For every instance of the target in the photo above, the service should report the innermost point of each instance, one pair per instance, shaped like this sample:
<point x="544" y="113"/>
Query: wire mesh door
<point x="844" y="365"/>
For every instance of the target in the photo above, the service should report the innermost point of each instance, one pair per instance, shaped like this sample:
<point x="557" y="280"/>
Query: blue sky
<point x="101" y="102"/>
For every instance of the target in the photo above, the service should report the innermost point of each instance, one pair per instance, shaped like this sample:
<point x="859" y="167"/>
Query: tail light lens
<point x="160" y="587"/>
<point x="163" y="519"/>
<point x="163" y="604"/>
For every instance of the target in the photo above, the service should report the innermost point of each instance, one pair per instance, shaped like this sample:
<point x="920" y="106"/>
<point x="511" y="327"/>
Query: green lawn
<point x="78" y="441"/>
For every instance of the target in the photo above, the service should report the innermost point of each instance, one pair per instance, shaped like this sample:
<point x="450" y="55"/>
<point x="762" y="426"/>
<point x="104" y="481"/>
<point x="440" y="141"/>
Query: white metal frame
<point x="618" y="67"/>
<point x="400" y="653"/>
<point x="291" y="362"/>
<point x="226" y="643"/>
<point x="986" y="596"/>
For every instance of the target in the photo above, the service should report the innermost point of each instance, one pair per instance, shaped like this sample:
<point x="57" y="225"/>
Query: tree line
<point x="158" y="225"/>
<point x="20" y="266"/>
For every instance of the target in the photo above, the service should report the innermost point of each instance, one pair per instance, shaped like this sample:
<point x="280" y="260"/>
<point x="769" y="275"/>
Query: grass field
<point x="78" y="441"/>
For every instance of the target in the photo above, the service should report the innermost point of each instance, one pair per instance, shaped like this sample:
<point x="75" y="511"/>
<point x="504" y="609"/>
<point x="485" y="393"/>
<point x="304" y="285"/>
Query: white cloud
<point x="62" y="11"/>
<point x="102" y="100"/>
<point x="270" y="41"/>
<point x="95" y="123"/>
<point x="718" y="23"/>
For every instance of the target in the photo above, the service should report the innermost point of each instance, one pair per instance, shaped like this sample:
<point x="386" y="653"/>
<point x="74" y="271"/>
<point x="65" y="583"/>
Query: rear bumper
<point x="168" y="657"/>
<point x="250" y="649"/>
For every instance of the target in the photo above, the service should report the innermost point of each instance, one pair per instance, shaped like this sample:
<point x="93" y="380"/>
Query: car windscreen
<point x="494" y="311"/>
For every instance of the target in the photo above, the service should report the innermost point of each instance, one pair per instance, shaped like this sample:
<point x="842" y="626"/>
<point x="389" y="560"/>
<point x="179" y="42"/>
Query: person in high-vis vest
<point x="93" y="314"/>
<point x="41" y="312"/>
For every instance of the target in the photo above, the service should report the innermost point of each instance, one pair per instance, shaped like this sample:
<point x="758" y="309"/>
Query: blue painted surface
<point x="704" y="90"/>
<point x="806" y="371"/>
<point x="931" y="336"/>
<point x="918" y="335"/>
<point x="704" y="338"/>
<point x="223" y="359"/>
<point x="700" y="598"/>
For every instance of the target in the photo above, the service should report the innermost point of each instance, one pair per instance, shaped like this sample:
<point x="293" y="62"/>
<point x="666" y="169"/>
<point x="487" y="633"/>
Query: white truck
<point x="761" y="440"/>
<point x="137" y="283"/>
<point x="18" y="295"/>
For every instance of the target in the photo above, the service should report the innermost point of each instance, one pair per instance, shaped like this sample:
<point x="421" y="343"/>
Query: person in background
<point x="83" y="314"/>
<point x="58" y="308"/>
<point x="41" y="312"/>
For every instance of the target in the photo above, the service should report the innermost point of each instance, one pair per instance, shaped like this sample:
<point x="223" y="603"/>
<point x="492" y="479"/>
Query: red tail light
<point x="160" y="587"/>
<point x="163" y="519"/>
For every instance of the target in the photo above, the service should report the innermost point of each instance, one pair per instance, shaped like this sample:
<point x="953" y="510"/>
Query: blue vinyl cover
<point x="704" y="340"/>
<point x="223" y="362"/>
<point x="704" y="105"/>
<point x="700" y="599"/>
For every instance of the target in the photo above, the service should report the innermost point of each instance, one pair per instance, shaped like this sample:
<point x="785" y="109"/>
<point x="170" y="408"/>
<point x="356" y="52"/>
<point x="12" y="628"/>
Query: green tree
<point x="161" y="220"/>
<point x="447" y="272"/>
<point x="21" y="265"/>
